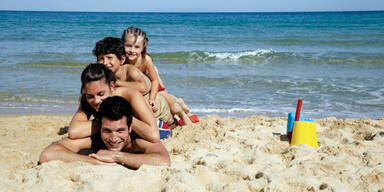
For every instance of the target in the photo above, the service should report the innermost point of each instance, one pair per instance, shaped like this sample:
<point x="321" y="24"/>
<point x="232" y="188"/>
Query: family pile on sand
<point x="122" y="104"/>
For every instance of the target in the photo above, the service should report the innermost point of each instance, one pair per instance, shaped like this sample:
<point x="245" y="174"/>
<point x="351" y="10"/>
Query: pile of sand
<point x="217" y="154"/>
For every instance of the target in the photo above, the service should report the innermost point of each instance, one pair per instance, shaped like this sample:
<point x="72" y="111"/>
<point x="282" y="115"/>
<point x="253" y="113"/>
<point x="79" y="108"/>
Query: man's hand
<point x="105" y="156"/>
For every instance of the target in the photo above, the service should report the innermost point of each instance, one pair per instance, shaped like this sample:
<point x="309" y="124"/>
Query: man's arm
<point x="145" y="124"/>
<point x="149" y="154"/>
<point x="81" y="127"/>
<point x="135" y="79"/>
<point x="66" y="150"/>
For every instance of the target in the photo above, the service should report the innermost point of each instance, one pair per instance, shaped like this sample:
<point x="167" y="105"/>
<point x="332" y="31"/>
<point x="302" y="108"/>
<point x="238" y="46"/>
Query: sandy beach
<point x="217" y="154"/>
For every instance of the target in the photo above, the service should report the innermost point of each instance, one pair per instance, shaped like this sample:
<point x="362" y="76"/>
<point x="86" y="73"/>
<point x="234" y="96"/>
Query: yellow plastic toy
<point x="304" y="132"/>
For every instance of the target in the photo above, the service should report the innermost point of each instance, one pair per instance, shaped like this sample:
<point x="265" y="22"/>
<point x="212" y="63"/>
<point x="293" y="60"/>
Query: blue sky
<point x="192" y="5"/>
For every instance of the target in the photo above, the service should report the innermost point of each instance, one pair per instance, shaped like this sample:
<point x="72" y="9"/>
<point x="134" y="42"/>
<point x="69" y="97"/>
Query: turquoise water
<point x="231" y="64"/>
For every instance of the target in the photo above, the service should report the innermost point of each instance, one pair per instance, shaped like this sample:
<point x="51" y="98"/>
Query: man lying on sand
<point x="116" y="143"/>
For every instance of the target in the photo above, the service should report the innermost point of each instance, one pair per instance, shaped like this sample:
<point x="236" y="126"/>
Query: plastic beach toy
<point x="291" y="122"/>
<point x="304" y="132"/>
<point x="298" y="110"/>
<point x="298" y="117"/>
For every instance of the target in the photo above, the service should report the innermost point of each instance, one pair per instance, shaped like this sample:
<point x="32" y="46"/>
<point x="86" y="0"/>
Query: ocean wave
<point x="249" y="56"/>
<point x="268" y="56"/>
<point x="257" y="56"/>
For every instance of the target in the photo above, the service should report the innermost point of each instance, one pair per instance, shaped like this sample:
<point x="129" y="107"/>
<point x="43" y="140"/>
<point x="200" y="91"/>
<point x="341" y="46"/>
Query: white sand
<point x="217" y="154"/>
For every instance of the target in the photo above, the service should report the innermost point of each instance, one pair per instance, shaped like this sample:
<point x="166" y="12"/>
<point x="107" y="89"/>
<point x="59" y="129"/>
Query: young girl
<point x="135" y="45"/>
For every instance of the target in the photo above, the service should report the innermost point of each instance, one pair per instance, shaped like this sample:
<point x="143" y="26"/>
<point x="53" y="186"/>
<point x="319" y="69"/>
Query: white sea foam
<point x="245" y="111"/>
<point x="237" y="55"/>
<point x="218" y="110"/>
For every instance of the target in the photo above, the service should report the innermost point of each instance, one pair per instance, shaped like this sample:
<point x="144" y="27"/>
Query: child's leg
<point x="175" y="108"/>
<point x="183" y="116"/>
<point x="171" y="99"/>
<point x="180" y="101"/>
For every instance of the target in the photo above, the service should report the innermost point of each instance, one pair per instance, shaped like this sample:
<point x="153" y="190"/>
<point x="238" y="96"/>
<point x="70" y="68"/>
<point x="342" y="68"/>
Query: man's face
<point x="115" y="133"/>
<point x="111" y="61"/>
<point x="96" y="92"/>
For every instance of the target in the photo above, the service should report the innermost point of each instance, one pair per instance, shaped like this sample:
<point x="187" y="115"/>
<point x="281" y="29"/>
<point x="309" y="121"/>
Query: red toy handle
<point x="298" y="109"/>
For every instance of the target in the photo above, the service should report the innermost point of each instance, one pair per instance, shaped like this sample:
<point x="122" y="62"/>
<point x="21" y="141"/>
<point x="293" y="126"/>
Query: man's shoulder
<point x="137" y="145"/>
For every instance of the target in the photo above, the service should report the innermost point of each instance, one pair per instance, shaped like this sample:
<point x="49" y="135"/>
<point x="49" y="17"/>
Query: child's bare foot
<point x="183" y="116"/>
<point x="183" y="105"/>
<point x="176" y="108"/>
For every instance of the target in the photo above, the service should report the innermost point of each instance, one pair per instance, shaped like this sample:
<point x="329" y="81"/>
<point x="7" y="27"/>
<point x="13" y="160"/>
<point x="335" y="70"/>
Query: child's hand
<point x="153" y="105"/>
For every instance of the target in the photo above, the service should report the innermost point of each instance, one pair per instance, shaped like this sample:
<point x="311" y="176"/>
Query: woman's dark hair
<point x="93" y="72"/>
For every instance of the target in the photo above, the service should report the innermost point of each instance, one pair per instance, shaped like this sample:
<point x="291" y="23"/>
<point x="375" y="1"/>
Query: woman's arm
<point x="81" y="127"/>
<point x="144" y="124"/>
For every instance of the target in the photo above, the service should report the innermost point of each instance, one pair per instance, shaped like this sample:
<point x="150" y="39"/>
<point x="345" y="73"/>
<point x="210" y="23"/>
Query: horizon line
<point x="191" y="11"/>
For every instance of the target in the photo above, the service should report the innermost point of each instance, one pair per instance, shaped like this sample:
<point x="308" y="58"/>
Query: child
<point x="110" y="52"/>
<point x="135" y="44"/>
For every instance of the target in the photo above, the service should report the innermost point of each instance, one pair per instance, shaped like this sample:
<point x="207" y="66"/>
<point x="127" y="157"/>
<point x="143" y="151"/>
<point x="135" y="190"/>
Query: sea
<point x="229" y="64"/>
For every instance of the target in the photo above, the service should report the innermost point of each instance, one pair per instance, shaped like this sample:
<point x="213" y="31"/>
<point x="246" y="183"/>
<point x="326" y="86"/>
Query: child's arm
<point x="144" y="124"/>
<point x="151" y="71"/>
<point x="135" y="79"/>
<point x="81" y="127"/>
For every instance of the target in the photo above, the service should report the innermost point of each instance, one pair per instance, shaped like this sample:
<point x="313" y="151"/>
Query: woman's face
<point x="96" y="92"/>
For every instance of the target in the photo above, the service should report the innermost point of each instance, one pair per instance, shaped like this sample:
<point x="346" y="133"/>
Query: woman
<point x="98" y="83"/>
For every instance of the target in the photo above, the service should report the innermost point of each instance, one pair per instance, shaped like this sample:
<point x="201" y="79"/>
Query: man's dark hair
<point x="114" y="108"/>
<point x="109" y="45"/>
